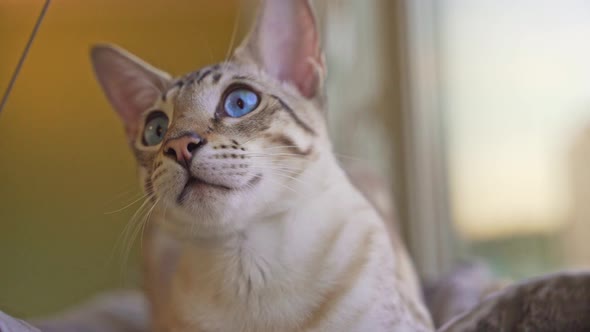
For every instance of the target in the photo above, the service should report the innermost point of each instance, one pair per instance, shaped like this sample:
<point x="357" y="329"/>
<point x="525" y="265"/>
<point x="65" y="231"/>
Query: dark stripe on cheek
<point x="288" y="143"/>
<point x="157" y="174"/>
<point x="145" y="159"/>
<point x="297" y="120"/>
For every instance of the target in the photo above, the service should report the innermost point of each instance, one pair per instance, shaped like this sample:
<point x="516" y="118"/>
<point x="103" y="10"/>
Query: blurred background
<point x="477" y="112"/>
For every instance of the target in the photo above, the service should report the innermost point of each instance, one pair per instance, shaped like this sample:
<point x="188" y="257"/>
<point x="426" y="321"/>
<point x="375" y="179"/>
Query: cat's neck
<point x="287" y="239"/>
<point x="322" y="201"/>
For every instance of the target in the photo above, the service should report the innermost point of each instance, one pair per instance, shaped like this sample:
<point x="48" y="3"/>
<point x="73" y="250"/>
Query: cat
<point x="254" y="225"/>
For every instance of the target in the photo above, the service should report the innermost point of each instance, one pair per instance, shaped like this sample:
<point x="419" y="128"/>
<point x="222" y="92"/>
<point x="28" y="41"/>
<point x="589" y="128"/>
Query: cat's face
<point x="227" y="143"/>
<point x="224" y="143"/>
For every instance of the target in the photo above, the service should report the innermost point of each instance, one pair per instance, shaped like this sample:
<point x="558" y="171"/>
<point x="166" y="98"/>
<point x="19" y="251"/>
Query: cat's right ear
<point x="285" y="43"/>
<point x="130" y="84"/>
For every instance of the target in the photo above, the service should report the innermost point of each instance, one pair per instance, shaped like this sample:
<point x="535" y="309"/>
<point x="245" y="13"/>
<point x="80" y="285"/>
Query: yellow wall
<point x="63" y="158"/>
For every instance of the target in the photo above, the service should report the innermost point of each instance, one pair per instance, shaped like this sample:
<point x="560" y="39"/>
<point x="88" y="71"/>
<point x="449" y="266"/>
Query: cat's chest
<point x="246" y="292"/>
<point x="268" y="282"/>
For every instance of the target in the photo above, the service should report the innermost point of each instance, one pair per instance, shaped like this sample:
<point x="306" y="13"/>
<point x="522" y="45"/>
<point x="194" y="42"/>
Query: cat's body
<point x="310" y="269"/>
<point x="254" y="226"/>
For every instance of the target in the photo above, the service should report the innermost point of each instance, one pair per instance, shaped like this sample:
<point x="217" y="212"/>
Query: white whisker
<point x="281" y="173"/>
<point x="126" y="206"/>
<point x="339" y="155"/>
<point x="275" y="164"/>
<point x="123" y="236"/>
<point x="233" y="36"/>
<point x="280" y="147"/>
<point x="283" y="185"/>
<point x="272" y="154"/>
<point x="251" y="139"/>
<point x="147" y="220"/>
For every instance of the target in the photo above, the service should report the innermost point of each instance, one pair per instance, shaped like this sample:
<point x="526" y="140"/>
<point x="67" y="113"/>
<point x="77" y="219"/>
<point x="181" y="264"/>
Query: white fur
<point x="257" y="281"/>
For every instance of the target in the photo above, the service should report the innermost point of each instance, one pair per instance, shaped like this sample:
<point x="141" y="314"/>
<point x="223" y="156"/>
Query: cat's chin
<point x="196" y="187"/>
<point x="206" y="208"/>
<point x="207" y="214"/>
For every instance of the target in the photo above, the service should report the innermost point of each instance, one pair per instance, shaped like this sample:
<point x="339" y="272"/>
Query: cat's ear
<point x="131" y="85"/>
<point x="285" y="43"/>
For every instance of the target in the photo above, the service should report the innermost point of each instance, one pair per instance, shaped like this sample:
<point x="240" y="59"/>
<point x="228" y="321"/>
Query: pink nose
<point x="184" y="147"/>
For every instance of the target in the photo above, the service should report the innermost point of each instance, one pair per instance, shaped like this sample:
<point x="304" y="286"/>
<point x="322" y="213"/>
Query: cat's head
<point x="226" y="143"/>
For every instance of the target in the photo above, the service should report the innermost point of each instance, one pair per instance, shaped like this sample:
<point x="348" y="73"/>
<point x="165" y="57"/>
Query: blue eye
<point x="240" y="102"/>
<point x="155" y="128"/>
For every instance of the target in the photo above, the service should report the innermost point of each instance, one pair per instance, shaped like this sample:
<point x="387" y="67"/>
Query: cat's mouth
<point x="194" y="183"/>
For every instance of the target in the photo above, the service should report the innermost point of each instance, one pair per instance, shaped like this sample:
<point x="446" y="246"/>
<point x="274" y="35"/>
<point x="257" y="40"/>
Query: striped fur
<point x="273" y="236"/>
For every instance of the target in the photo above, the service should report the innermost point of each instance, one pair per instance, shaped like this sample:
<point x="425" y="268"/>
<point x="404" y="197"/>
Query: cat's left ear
<point x="130" y="84"/>
<point x="285" y="44"/>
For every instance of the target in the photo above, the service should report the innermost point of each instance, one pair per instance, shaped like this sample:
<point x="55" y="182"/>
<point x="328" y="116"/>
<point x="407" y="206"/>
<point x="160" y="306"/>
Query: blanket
<point x="467" y="300"/>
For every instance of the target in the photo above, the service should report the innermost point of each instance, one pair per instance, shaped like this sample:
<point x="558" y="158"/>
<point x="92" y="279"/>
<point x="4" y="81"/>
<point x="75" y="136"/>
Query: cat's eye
<point x="156" y="126"/>
<point x="240" y="102"/>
